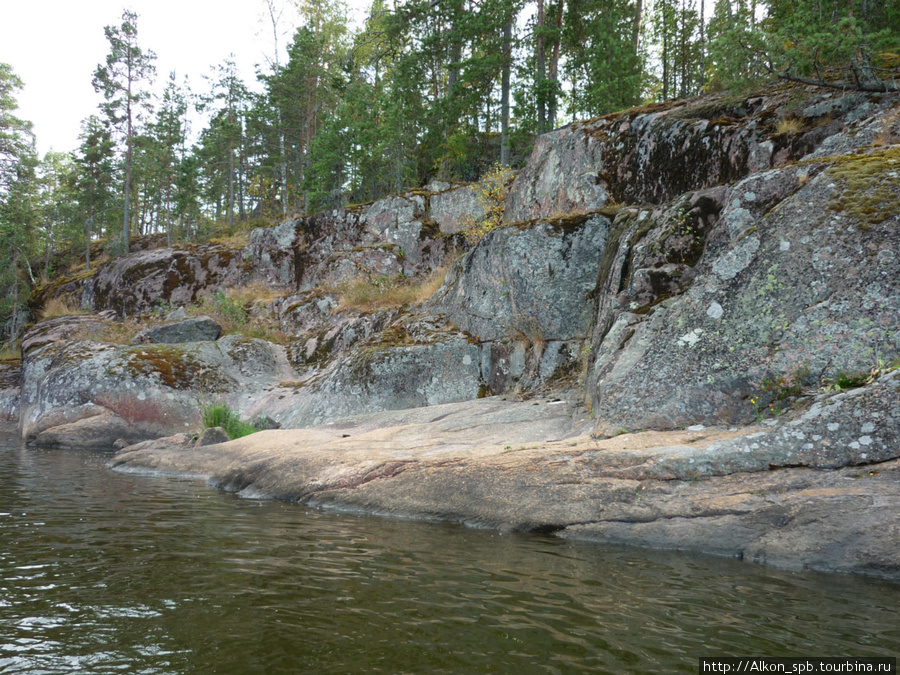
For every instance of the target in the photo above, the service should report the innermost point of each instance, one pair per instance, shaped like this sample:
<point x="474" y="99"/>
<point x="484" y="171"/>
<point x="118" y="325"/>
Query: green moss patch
<point x="866" y="189"/>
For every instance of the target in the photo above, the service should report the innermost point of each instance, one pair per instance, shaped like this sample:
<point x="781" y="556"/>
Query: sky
<point x="55" y="46"/>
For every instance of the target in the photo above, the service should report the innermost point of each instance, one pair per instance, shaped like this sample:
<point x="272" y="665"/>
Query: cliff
<point x="709" y="285"/>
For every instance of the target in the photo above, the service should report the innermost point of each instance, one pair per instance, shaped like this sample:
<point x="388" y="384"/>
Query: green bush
<point x="220" y="415"/>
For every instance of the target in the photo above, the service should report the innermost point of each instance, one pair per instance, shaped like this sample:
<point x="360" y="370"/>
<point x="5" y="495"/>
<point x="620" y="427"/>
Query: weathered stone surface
<point x="213" y="436"/>
<point x="82" y="393"/>
<point x="196" y="329"/>
<point x="530" y="283"/>
<point x="562" y="176"/>
<point x="334" y="337"/>
<point x="387" y="237"/>
<point x="653" y="154"/>
<point x="264" y="422"/>
<point x="10" y="373"/>
<point x="177" y="315"/>
<point x="524" y="466"/>
<point x="414" y="362"/>
<point x="275" y="253"/>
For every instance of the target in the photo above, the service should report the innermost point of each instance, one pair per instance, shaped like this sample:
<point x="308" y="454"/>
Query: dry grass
<point x="370" y="295"/>
<point x="788" y="126"/>
<point x="119" y="332"/>
<point x="257" y="293"/>
<point x="238" y="240"/>
<point x="59" y="307"/>
<point x="882" y="138"/>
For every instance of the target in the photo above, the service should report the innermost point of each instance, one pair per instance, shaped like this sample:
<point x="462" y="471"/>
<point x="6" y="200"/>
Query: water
<point x="111" y="573"/>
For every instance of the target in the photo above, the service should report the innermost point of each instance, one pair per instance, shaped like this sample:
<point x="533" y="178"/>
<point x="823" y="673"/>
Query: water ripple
<point x="108" y="572"/>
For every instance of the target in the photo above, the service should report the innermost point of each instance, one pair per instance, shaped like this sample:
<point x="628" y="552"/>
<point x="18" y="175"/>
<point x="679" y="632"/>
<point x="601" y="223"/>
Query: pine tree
<point x="167" y="137"/>
<point x="19" y="212"/>
<point x="227" y="101"/>
<point x="127" y="65"/>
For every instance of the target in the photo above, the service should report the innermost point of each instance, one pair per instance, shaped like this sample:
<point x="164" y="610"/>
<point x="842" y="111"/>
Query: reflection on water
<point x="104" y="572"/>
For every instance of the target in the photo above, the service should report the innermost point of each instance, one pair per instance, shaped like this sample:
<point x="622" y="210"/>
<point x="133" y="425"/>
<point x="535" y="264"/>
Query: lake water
<point x="104" y="572"/>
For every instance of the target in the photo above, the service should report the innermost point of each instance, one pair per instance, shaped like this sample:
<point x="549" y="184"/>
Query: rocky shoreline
<point x="683" y="333"/>
<point x="749" y="493"/>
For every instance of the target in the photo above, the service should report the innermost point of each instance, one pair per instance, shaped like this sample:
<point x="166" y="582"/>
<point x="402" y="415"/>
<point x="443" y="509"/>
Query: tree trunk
<point x="554" y="69"/>
<point x="455" y="49"/>
<point x="504" y="94"/>
<point x="541" y="68"/>
<point x="638" y="17"/>
<point x="125" y="222"/>
<point x="665" y="57"/>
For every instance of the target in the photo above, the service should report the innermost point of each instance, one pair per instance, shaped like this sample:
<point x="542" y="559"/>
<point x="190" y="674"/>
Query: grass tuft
<point x="788" y="126"/>
<point x="369" y="295"/>
<point x="221" y="415"/>
<point x="55" y="307"/>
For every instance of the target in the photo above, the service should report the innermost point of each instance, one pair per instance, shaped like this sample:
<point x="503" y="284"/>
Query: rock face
<point x="134" y="283"/>
<point x="792" y="289"/>
<point x="679" y="266"/>
<point x="532" y="282"/>
<point x="411" y="233"/>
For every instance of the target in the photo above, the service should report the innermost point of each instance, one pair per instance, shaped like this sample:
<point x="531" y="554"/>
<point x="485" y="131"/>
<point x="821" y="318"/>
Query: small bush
<point x="220" y="415"/>
<point x="490" y="194"/>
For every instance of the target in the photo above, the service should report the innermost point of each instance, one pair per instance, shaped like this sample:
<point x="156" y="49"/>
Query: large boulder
<point x="197" y="329"/>
<point x="79" y="392"/>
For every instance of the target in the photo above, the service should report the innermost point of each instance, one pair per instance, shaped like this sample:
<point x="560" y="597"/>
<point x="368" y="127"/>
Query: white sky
<point x="54" y="46"/>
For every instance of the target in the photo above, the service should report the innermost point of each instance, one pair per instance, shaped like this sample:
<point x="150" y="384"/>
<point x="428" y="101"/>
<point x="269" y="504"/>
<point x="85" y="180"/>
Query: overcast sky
<point x="54" y="46"/>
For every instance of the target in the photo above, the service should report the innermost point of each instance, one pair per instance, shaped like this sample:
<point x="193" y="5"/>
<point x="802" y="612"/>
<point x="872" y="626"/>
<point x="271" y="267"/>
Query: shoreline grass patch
<point x="221" y="415"/>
